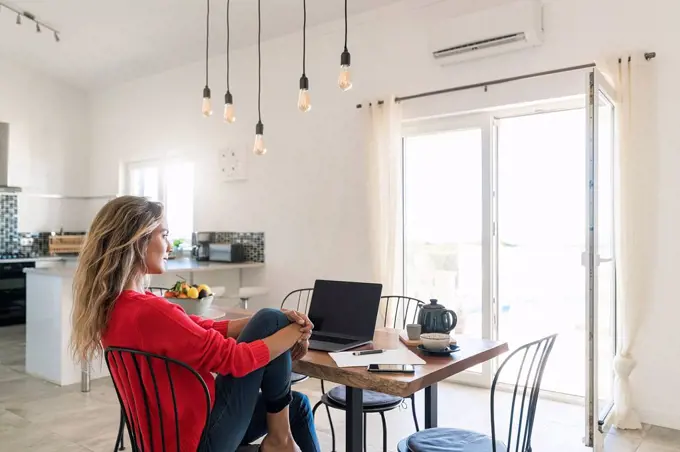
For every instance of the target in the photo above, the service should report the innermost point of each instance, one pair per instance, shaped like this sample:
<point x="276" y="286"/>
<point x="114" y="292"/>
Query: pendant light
<point x="229" y="116"/>
<point x="304" y="102"/>
<point x="344" y="80"/>
<point x="206" y="108"/>
<point x="259" y="148"/>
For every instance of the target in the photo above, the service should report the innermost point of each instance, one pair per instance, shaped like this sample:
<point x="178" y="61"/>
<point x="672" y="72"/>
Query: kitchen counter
<point x="49" y="303"/>
<point x="66" y="267"/>
<point x="39" y="259"/>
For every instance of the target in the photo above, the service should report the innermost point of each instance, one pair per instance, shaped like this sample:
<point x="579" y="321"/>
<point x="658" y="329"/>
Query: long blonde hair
<point x="112" y="256"/>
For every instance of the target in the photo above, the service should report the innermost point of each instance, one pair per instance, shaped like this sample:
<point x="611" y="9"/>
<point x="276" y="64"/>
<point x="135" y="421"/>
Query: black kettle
<point x="435" y="318"/>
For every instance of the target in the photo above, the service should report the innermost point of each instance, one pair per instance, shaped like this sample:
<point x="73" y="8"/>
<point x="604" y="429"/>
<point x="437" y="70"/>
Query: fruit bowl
<point x="195" y="300"/>
<point x="192" y="306"/>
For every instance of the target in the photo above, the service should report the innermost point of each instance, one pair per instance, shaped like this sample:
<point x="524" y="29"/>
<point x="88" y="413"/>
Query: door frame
<point x="596" y="85"/>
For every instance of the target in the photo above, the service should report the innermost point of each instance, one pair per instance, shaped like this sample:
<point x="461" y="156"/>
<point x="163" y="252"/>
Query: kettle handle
<point x="454" y="319"/>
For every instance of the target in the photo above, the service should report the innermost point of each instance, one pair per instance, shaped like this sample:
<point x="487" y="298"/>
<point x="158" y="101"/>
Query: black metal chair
<point x="127" y="367"/>
<point x="404" y="311"/>
<point x="531" y="359"/>
<point x="304" y="296"/>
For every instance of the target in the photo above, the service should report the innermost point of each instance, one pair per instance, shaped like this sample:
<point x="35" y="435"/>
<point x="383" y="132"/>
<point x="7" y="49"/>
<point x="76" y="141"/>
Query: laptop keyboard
<point x="331" y="339"/>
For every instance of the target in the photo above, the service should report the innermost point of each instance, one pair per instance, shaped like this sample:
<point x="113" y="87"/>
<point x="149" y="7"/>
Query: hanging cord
<point x="207" y="39"/>
<point x="304" y="37"/>
<point x="345" y="25"/>
<point x="228" y="36"/>
<point x="259" y="60"/>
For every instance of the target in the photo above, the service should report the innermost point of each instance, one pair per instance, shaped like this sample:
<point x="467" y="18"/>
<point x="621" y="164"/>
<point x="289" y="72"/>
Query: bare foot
<point x="271" y="444"/>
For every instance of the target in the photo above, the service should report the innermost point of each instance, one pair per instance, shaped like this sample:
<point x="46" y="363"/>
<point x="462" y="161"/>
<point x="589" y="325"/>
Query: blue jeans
<point x="239" y="415"/>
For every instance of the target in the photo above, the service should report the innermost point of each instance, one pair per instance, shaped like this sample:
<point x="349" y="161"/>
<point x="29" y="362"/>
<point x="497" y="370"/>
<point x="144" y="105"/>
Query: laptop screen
<point x="345" y="308"/>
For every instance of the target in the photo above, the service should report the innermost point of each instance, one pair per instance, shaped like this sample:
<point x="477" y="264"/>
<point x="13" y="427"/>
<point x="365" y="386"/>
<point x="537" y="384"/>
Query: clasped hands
<point x="299" y="350"/>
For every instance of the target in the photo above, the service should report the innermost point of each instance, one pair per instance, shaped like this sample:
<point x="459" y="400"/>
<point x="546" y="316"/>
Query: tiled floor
<point x="41" y="417"/>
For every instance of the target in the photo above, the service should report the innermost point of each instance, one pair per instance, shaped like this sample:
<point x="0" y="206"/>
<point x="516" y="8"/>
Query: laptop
<point x="344" y="314"/>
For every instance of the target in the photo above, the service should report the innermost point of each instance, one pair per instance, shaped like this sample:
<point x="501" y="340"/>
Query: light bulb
<point x="304" y="102"/>
<point x="344" y="80"/>
<point x="229" y="116"/>
<point x="206" y="108"/>
<point x="259" y="148"/>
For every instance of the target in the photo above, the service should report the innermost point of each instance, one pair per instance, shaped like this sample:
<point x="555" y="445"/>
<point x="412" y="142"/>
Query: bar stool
<point x="246" y="293"/>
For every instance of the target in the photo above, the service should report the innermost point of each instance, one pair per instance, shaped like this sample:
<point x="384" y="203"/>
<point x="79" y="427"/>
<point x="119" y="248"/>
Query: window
<point x="170" y="182"/>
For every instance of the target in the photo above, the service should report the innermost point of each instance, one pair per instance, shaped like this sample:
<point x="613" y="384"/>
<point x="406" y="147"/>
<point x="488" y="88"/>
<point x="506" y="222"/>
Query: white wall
<point x="49" y="145"/>
<point x="308" y="193"/>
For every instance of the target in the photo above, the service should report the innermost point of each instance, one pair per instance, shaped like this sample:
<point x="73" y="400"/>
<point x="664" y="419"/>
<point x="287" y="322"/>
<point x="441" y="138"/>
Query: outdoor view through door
<point x="535" y="193"/>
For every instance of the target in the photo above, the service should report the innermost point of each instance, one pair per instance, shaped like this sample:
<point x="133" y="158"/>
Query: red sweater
<point x="152" y="324"/>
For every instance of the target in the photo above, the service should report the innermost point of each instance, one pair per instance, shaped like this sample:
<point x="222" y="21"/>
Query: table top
<point x="472" y="352"/>
<point x="317" y="364"/>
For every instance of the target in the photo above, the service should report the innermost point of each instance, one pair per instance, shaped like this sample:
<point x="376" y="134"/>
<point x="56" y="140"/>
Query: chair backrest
<point x="528" y="361"/>
<point x="401" y="310"/>
<point x="134" y="372"/>
<point x="298" y="300"/>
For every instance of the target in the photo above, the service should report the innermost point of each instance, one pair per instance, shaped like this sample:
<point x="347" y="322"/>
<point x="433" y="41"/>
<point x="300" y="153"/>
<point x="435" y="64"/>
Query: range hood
<point x="4" y="160"/>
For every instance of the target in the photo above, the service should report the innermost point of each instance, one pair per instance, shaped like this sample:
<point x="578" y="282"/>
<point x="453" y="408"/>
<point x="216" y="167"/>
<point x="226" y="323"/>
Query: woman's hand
<point x="301" y="319"/>
<point x="299" y="350"/>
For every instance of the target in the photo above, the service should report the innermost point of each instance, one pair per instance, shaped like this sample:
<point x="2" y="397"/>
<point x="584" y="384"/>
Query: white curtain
<point x="635" y="86"/>
<point x="384" y="194"/>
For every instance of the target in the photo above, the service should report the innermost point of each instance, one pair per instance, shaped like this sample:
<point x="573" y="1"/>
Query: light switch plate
<point x="232" y="164"/>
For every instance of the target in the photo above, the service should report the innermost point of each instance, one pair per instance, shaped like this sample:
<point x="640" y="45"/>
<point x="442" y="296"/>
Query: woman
<point x="251" y="394"/>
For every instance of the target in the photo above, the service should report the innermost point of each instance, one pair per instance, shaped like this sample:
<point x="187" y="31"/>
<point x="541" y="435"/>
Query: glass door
<point x="540" y="238"/>
<point x="447" y="222"/>
<point x="599" y="258"/>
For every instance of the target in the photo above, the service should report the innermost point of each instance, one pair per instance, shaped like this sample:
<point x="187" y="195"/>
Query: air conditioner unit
<point x="488" y="32"/>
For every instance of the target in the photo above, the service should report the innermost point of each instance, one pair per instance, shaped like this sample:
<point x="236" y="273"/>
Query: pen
<point x="368" y="352"/>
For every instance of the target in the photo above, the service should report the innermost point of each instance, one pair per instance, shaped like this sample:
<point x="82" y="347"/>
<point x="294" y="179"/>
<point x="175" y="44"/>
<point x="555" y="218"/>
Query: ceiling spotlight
<point x="56" y="37"/>
<point x="18" y="19"/>
<point x="37" y="27"/>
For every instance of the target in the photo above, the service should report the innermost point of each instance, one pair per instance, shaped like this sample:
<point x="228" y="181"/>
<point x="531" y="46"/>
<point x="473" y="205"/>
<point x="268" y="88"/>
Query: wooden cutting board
<point x="403" y="337"/>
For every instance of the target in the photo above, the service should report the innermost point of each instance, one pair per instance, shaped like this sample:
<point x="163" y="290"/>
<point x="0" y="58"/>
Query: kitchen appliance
<point x="435" y="318"/>
<point x="13" y="292"/>
<point x="200" y="242"/>
<point x="227" y="252"/>
<point x="4" y="160"/>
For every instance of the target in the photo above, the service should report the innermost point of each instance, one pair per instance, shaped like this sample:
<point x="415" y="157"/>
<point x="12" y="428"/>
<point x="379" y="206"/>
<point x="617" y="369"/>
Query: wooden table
<point x="320" y="365"/>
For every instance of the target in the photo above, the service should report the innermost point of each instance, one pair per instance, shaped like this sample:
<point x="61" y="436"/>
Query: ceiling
<point x="107" y="42"/>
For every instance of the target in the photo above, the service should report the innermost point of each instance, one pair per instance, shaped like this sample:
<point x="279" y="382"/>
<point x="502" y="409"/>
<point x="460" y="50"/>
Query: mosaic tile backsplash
<point x="253" y="243"/>
<point x="9" y="223"/>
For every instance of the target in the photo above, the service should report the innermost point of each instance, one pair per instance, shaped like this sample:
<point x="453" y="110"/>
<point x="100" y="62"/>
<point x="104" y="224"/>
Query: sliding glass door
<point x="509" y="220"/>
<point x="447" y="222"/>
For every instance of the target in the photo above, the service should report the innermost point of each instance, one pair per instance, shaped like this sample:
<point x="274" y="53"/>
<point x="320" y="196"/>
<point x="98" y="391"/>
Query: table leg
<point x="431" y="406"/>
<point x="354" y="420"/>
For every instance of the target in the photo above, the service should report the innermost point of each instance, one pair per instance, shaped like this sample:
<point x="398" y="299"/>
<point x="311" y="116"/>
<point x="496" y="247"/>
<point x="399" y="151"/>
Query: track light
<point x="39" y="25"/>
